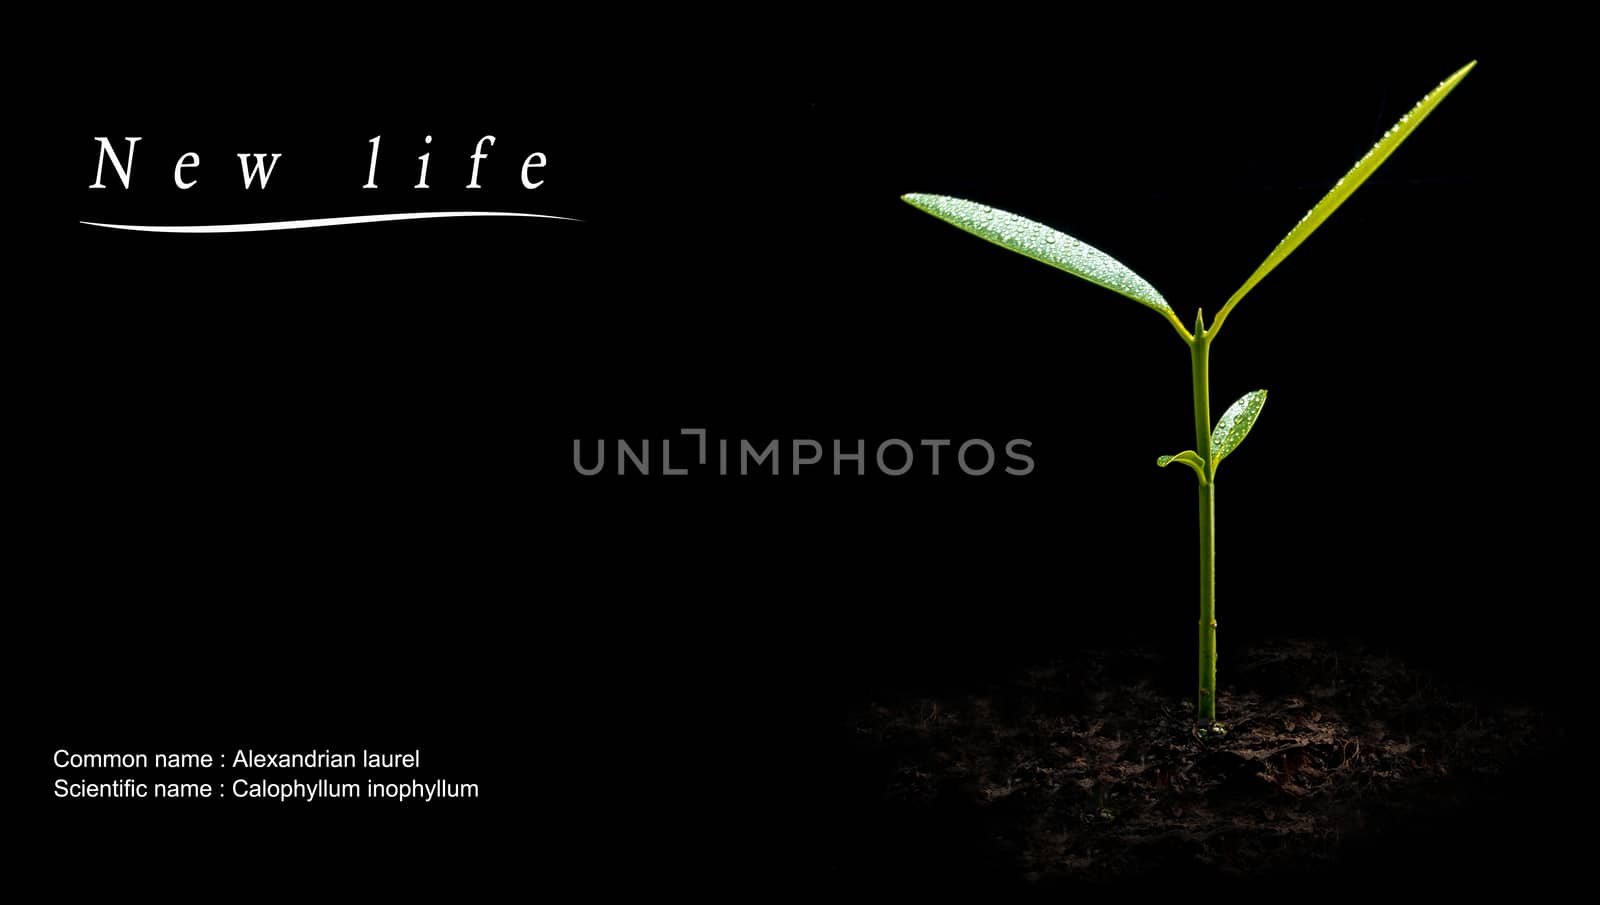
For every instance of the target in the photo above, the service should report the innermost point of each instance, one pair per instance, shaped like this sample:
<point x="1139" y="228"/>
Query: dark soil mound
<point x="1093" y="771"/>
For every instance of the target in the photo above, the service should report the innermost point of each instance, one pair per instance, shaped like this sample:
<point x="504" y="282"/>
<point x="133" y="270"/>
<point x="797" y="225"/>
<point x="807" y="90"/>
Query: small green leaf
<point x="1345" y="187"/>
<point x="1188" y="457"/>
<point x="1235" y="424"/>
<point x="1042" y="243"/>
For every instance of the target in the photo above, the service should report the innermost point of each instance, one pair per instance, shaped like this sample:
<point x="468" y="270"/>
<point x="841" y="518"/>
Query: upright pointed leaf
<point x="1042" y="243"/>
<point x="1235" y="424"/>
<point x="1345" y="187"/>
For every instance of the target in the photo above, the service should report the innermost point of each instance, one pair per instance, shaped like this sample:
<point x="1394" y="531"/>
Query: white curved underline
<point x="321" y="221"/>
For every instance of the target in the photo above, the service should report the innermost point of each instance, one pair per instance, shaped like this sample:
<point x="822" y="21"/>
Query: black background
<point x="314" y="489"/>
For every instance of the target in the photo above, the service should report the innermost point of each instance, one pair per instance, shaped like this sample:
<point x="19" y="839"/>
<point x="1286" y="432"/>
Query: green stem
<point x="1207" y="702"/>
<point x="1200" y="358"/>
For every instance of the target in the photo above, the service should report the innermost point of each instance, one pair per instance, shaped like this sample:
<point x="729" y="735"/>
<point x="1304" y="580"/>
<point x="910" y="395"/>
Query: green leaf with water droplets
<point x="1235" y="424"/>
<point x="1346" y="187"/>
<point x="1188" y="457"/>
<point x="1042" y="243"/>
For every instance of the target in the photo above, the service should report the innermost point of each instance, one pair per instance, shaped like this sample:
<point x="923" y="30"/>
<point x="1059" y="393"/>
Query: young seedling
<point x="1212" y="444"/>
